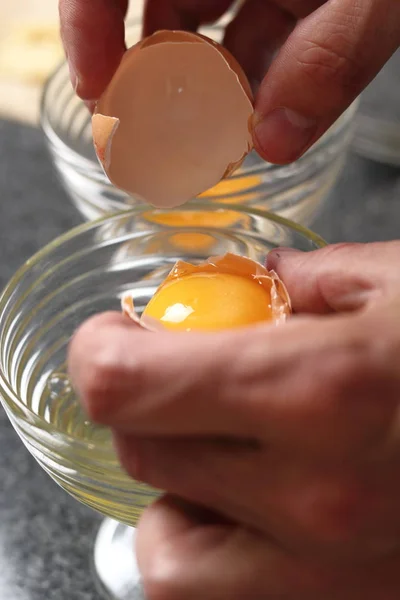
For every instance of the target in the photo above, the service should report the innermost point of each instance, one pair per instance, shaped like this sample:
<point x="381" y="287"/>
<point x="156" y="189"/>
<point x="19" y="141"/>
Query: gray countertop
<point x="45" y="536"/>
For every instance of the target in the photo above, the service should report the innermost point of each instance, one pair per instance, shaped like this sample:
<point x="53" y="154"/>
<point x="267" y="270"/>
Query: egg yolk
<point x="228" y="191"/>
<point x="238" y="187"/>
<point x="192" y="241"/>
<point x="210" y="302"/>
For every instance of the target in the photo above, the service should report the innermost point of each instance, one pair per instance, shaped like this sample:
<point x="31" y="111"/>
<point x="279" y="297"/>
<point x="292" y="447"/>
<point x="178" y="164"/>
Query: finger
<point x="326" y="62"/>
<point x="342" y="277"/>
<point x="166" y="519"/>
<point x="182" y="14"/>
<point x="181" y="557"/>
<point x="274" y="384"/>
<point x="93" y="37"/>
<point x="314" y="507"/>
<point x="217" y="474"/>
<point x="172" y="517"/>
<point x="260" y="28"/>
<point x="254" y="35"/>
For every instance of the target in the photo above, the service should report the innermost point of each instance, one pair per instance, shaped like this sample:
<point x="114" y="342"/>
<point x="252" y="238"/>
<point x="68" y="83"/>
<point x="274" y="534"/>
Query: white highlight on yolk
<point x="176" y="313"/>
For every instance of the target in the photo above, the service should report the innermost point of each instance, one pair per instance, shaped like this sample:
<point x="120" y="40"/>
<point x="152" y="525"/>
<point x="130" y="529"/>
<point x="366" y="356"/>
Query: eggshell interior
<point x="174" y="120"/>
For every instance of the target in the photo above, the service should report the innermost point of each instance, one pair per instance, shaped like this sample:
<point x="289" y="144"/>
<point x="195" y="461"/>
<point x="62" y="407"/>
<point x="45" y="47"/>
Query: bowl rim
<point x="10" y="399"/>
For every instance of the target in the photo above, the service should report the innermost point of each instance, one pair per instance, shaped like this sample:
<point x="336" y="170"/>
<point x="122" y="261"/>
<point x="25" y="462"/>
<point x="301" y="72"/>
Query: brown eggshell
<point x="233" y="64"/>
<point x="246" y="267"/>
<point x="104" y="129"/>
<point x="128" y="308"/>
<point x="232" y="264"/>
<point x="175" y="119"/>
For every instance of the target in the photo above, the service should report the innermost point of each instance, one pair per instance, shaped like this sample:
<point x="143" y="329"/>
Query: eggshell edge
<point x="103" y="129"/>
<point x="146" y="322"/>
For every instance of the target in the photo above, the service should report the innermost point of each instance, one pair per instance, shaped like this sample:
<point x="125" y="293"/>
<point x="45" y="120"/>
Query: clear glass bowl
<point x="377" y="132"/>
<point x="294" y="191"/>
<point x="82" y="273"/>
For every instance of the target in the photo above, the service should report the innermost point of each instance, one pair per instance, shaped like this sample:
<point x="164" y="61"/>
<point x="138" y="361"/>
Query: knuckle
<point x="332" y="60"/>
<point x="99" y="374"/>
<point x="350" y="275"/>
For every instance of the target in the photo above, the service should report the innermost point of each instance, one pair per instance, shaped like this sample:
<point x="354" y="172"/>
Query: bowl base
<point x="116" y="572"/>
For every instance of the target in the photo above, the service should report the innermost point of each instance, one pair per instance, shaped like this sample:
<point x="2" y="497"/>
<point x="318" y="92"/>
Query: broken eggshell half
<point x="232" y="264"/>
<point x="174" y="120"/>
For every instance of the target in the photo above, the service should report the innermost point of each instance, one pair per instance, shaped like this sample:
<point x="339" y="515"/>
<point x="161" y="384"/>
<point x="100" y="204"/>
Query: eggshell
<point x="175" y="119"/>
<point x="229" y="263"/>
<point x="104" y="129"/>
<point x="128" y="308"/>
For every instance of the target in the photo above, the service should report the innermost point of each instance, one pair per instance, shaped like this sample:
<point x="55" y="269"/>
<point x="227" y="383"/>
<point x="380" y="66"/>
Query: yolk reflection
<point x="228" y="191"/>
<point x="210" y="302"/>
<point x="233" y="190"/>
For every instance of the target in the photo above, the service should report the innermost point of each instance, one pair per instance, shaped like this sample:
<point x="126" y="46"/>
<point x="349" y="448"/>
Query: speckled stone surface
<point x="46" y="538"/>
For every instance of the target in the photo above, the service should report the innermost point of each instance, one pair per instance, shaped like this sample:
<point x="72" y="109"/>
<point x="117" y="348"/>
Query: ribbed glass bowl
<point x="78" y="275"/>
<point x="83" y="273"/>
<point x="295" y="191"/>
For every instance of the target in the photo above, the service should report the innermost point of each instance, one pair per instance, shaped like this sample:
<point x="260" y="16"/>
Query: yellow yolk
<point x="239" y="186"/>
<point x="228" y="191"/>
<point x="210" y="302"/>
<point x="192" y="241"/>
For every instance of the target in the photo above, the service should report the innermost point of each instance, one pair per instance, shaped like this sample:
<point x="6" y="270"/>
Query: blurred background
<point x="46" y="537"/>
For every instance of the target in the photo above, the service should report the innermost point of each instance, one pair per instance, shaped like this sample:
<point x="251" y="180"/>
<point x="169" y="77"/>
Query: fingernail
<point x="276" y="255"/>
<point x="283" y="135"/>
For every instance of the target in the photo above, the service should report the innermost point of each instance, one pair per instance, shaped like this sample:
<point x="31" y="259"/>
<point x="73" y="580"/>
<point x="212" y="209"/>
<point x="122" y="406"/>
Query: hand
<point x="318" y="55"/>
<point x="289" y="436"/>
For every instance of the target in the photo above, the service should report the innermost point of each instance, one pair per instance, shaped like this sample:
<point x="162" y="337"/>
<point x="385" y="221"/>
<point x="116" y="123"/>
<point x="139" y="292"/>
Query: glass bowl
<point x="377" y="125"/>
<point x="294" y="191"/>
<point x="82" y="273"/>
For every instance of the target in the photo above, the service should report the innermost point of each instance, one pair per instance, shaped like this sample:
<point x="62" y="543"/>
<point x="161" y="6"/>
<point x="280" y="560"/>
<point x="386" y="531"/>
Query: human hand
<point x="318" y="55"/>
<point x="289" y="436"/>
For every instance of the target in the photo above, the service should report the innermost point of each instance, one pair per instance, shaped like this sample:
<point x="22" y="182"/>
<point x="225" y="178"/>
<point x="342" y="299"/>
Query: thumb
<point x="342" y="277"/>
<point x="326" y="62"/>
